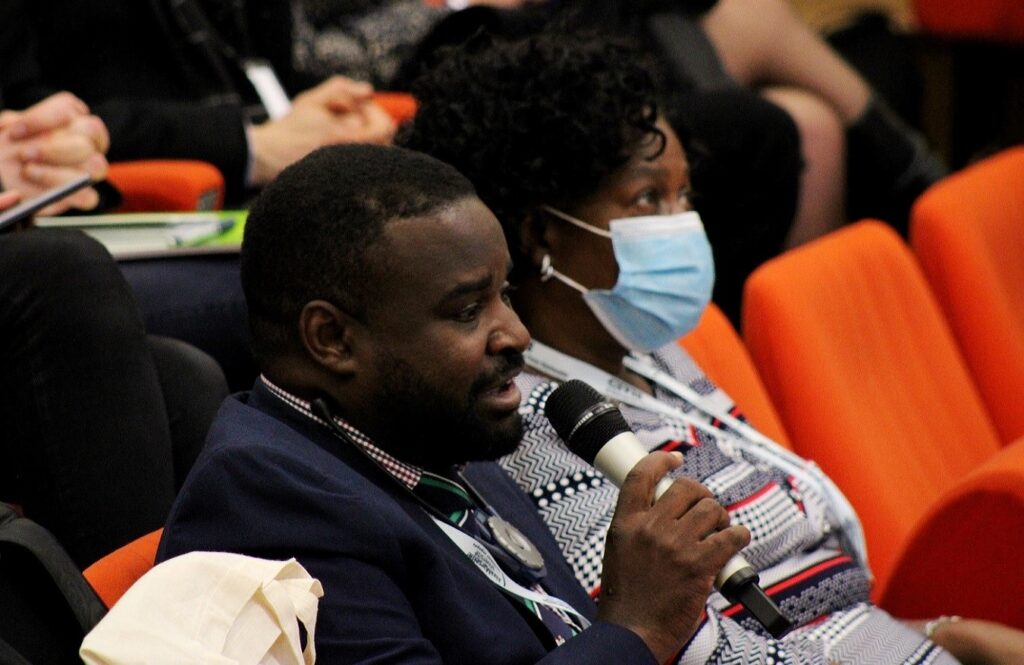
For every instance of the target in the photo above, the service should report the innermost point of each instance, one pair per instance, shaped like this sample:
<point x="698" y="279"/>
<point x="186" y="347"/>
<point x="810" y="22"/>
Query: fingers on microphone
<point x="701" y="519"/>
<point x="637" y="491"/>
<point x="723" y="545"/>
<point x="702" y="522"/>
<point x="681" y="496"/>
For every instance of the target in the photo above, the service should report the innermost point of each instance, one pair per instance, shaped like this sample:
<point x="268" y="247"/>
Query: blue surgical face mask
<point x="666" y="273"/>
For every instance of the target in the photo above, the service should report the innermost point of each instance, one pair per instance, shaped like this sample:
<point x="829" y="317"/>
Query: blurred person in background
<point x="101" y="421"/>
<point x="195" y="79"/>
<point x="191" y="79"/>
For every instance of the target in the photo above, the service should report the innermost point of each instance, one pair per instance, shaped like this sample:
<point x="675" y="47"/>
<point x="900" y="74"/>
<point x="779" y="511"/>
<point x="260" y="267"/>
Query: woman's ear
<point x="535" y="237"/>
<point x="327" y="333"/>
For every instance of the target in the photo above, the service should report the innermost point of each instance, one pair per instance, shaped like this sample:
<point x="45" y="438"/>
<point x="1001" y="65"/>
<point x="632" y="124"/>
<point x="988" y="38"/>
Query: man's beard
<point x="434" y="430"/>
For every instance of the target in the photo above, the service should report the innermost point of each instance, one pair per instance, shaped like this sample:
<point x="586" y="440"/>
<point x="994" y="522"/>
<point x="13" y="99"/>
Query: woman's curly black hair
<point x="542" y="120"/>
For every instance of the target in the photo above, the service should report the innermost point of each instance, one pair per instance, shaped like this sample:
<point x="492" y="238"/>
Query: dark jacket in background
<point x="132" y="61"/>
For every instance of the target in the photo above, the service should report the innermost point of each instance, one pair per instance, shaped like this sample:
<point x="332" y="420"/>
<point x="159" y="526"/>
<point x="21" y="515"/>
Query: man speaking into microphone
<point x="378" y="298"/>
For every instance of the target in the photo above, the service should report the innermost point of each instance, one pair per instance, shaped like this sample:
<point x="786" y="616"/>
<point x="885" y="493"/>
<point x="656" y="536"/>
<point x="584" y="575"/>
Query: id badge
<point x="268" y="87"/>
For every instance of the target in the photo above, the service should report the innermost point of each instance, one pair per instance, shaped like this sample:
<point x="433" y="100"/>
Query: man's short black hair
<point x="308" y="233"/>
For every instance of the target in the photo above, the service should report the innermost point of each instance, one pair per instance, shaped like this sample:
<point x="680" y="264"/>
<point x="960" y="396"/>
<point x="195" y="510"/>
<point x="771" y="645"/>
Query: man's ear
<point x="327" y="335"/>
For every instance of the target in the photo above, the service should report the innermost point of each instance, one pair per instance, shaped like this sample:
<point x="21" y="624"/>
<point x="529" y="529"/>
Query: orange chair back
<point x="159" y="185"/>
<point x="112" y="575"/>
<point x="866" y="378"/>
<point x="968" y="234"/>
<point x="718" y="350"/>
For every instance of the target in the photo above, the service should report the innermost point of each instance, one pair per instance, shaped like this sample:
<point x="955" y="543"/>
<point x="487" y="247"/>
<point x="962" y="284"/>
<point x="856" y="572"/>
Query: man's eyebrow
<point x="466" y="288"/>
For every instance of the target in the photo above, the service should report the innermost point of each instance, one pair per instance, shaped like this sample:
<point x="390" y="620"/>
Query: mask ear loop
<point x="576" y="222"/>
<point x="547" y="271"/>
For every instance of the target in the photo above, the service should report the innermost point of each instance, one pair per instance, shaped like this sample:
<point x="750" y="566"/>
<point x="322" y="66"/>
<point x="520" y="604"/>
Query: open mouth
<point x="504" y="396"/>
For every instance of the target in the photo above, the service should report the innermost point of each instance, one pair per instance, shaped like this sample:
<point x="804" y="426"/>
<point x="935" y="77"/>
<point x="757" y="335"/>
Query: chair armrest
<point x="965" y="556"/>
<point x="112" y="575"/>
<point x="400" y="106"/>
<point x="160" y="185"/>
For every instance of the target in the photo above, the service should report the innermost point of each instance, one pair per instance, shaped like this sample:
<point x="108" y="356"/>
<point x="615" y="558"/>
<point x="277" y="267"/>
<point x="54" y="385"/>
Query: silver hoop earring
<point x="546" y="270"/>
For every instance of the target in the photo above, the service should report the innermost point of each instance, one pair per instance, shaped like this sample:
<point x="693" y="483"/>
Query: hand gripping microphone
<point x="594" y="429"/>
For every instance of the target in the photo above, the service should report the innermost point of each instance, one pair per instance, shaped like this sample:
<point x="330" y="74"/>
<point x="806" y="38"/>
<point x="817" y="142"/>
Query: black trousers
<point x="197" y="299"/>
<point x="93" y="444"/>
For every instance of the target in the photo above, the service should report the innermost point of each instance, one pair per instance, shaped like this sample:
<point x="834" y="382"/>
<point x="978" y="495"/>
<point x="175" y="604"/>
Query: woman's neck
<point x="566" y="324"/>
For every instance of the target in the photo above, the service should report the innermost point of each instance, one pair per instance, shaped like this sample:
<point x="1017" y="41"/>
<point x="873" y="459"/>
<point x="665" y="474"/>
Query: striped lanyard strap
<point x="561" y="618"/>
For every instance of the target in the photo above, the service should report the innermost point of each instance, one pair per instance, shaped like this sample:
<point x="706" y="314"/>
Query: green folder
<point x="149" y="235"/>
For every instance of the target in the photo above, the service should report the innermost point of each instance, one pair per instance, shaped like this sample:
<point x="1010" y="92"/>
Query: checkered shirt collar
<point x="406" y="474"/>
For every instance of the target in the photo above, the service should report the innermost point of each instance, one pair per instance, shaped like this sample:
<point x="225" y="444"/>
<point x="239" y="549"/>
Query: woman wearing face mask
<point x="563" y="140"/>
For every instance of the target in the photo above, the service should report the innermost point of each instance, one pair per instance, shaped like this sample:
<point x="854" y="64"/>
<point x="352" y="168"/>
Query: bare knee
<point x="823" y="146"/>
<point x="746" y="35"/>
<point x="820" y="127"/>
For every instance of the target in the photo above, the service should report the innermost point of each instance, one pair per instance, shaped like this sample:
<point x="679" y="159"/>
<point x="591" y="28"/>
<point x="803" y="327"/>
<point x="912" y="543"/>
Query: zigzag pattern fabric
<point x="794" y="534"/>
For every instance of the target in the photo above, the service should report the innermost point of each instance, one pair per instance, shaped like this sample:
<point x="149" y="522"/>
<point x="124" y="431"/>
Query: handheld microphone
<point x="594" y="429"/>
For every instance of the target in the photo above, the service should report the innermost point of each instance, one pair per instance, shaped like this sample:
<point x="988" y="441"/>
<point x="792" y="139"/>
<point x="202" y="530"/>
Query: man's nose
<point x="508" y="334"/>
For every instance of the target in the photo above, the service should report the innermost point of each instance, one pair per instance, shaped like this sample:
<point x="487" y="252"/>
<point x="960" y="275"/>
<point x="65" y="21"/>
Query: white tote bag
<point x="211" y="607"/>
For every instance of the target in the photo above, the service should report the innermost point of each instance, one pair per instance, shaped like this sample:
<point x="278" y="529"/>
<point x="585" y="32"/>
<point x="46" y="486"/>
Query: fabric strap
<point x="559" y="617"/>
<point x="82" y="600"/>
<point x="462" y="527"/>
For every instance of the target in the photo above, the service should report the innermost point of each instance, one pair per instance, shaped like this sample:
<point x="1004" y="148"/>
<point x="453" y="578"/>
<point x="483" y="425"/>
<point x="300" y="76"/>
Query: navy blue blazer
<point x="274" y="484"/>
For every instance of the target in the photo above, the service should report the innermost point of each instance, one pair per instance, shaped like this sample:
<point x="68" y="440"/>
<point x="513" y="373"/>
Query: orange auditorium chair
<point x="968" y="234"/>
<point x="400" y="106"/>
<point x="868" y="382"/>
<point x="112" y="575"/>
<point x="718" y="350"/>
<point x="158" y="185"/>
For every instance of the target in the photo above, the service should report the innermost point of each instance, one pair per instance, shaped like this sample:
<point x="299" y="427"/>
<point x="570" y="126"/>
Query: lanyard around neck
<point x="564" y="367"/>
<point x="485" y="562"/>
<point x="474" y="550"/>
<point x="193" y="20"/>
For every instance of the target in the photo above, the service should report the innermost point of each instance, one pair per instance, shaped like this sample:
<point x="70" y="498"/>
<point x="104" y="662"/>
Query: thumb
<point x="637" y="491"/>
<point x="7" y="199"/>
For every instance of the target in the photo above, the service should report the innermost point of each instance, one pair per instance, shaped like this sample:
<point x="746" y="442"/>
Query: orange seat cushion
<point x="113" y="574"/>
<point x="1001" y="20"/>
<point x="159" y="185"/>
<point x="399" y="105"/>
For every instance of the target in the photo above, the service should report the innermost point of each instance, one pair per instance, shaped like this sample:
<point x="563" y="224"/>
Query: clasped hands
<point x="48" y="144"/>
<point x="339" y="110"/>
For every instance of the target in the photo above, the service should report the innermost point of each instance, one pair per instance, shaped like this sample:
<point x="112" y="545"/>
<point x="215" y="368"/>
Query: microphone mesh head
<point x="567" y="404"/>
<point x="573" y="403"/>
